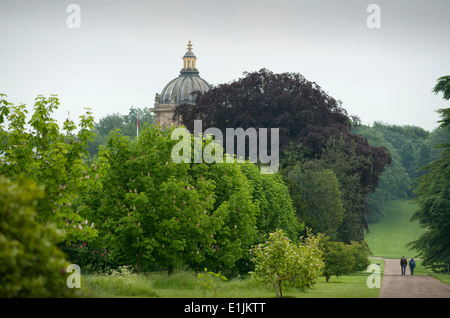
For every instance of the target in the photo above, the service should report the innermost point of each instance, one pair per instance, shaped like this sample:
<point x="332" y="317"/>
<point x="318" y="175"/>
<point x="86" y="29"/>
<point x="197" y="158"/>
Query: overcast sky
<point x="126" y="51"/>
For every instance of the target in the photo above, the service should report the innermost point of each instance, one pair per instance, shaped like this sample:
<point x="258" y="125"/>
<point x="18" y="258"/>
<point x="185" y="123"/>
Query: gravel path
<point x="395" y="285"/>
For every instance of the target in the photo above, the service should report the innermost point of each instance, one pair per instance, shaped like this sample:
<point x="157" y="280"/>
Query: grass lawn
<point x="185" y="284"/>
<point x="388" y="238"/>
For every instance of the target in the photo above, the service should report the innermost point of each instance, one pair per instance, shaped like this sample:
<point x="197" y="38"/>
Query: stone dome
<point x="179" y="89"/>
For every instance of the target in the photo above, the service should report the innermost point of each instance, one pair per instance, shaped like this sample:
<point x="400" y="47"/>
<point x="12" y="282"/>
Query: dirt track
<point x="395" y="285"/>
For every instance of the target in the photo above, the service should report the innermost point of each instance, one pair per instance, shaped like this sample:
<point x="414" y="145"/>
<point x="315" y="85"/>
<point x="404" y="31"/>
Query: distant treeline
<point x="126" y="123"/>
<point x="411" y="148"/>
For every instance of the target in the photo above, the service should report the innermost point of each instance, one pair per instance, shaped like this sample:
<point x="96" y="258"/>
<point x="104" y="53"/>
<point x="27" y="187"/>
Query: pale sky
<point x="126" y="51"/>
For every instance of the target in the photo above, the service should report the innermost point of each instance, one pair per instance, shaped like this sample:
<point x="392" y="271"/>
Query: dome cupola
<point x="180" y="89"/>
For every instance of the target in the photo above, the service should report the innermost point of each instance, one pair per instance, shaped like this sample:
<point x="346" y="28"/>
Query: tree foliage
<point x="154" y="211"/>
<point x="276" y="209"/>
<point x="30" y="263"/>
<point x="316" y="196"/>
<point x="394" y="181"/>
<point x="343" y="259"/>
<point x="443" y="86"/>
<point x="38" y="150"/>
<point x="305" y="116"/>
<point x="433" y="198"/>
<point x="279" y="260"/>
<point x="128" y="124"/>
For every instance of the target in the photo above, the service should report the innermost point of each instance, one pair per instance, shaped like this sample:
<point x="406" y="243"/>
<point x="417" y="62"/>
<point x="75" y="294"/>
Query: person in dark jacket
<point x="412" y="265"/>
<point x="403" y="263"/>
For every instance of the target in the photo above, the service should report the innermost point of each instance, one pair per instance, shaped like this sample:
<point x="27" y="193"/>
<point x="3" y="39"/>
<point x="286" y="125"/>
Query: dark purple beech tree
<point x="306" y="116"/>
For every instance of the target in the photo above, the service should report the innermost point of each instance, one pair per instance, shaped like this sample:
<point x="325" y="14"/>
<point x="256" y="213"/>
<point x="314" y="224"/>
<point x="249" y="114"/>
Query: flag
<point x="137" y="129"/>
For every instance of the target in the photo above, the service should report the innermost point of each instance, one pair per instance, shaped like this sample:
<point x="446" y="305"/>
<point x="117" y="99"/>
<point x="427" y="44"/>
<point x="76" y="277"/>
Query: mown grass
<point x="185" y="284"/>
<point x="389" y="237"/>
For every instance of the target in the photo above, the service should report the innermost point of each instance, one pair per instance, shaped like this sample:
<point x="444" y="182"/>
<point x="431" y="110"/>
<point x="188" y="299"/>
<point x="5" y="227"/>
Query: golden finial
<point x="189" y="46"/>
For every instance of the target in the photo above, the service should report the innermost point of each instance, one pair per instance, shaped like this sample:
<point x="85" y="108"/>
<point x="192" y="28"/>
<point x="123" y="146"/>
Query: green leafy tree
<point x="38" y="150"/>
<point x="235" y="207"/>
<point x="316" y="195"/>
<point x="31" y="265"/>
<point x="406" y="141"/>
<point x="408" y="157"/>
<point x="438" y="136"/>
<point x="347" y="166"/>
<point x="433" y="198"/>
<point x="149" y="210"/>
<point x="361" y="253"/>
<point x="128" y="124"/>
<point x="276" y="210"/>
<point x="338" y="257"/>
<point x="306" y="116"/>
<point x="281" y="261"/>
<point x="155" y="212"/>
<point x="394" y="181"/>
<point x="443" y="86"/>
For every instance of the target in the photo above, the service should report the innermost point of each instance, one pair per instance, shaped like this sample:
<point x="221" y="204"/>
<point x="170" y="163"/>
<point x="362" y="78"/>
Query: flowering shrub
<point x="90" y="258"/>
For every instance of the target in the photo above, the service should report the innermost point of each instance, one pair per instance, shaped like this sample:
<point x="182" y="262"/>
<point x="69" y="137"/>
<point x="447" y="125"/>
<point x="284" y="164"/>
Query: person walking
<point x="412" y="265"/>
<point x="403" y="263"/>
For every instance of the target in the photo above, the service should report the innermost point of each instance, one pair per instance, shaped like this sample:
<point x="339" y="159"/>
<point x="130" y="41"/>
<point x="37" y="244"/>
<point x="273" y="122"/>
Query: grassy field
<point x="388" y="238"/>
<point x="185" y="284"/>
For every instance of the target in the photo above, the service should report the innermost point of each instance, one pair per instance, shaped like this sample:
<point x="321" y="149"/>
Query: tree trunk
<point x="139" y="262"/>
<point x="279" y="287"/>
<point x="275" y="286"/>
<point x="170" y="270"/>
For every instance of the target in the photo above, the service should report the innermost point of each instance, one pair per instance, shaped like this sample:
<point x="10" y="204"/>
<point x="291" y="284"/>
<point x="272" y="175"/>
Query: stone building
<point x="178" y="90"/>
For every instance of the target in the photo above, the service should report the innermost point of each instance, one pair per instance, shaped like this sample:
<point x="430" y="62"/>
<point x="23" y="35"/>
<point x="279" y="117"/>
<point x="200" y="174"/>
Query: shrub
<point x="338" y="257"/>
<point x="209" y="281"/>
<point x="90" y="258"/>
<point x="343" y="259"/>
<point x="361" y="253"/>
<point x="31" y="265"/>
<point x="279" y="260"/>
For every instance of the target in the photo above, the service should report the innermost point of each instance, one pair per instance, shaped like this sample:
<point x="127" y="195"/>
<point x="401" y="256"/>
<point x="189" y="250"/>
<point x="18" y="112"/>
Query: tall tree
<point x="433" y="197"/>
<point x="443" y="86"/>
<point x="304" y="114"/>
<point x="394" y="181"/>
<point x="54" y="158"/>
<point x="276" y="209"/>
<point x="316" y="196"/>
<point x="154" y="212"/>
<point x="128" y="124"/>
